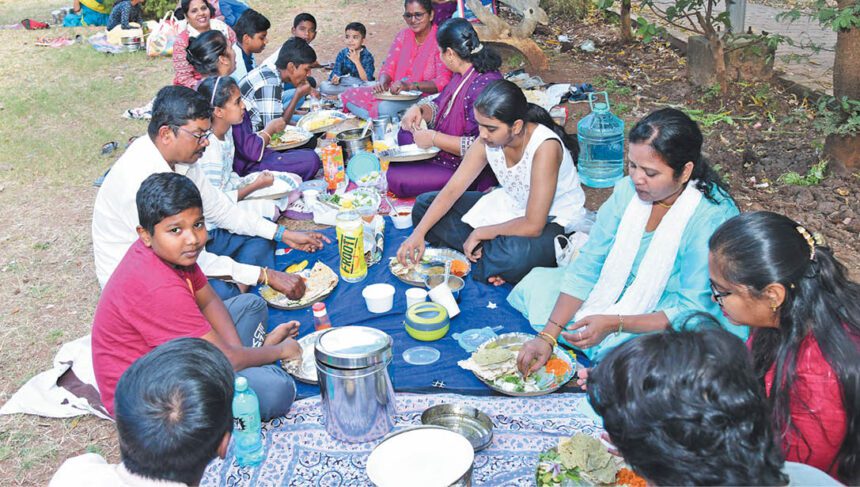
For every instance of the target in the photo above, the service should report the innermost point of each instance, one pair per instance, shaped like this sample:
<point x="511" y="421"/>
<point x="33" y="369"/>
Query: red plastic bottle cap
<point x="319" y="307"/>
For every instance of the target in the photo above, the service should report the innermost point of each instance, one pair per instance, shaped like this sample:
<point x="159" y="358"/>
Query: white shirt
<point x="115" y="218"/>
<point x="509" y="202"/>
<point x="240" y="71"/>
<point x="91" y="470"/>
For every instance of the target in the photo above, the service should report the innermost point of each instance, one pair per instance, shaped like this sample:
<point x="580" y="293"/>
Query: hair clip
<point x="809" y="240"/>
<point x="214" y="90"/>
<point x="477" y="49"/>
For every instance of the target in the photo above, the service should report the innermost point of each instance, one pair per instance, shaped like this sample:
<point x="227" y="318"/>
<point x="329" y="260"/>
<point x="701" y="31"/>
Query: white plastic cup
<point x="310" y="196"/>
<point x="415" y="295"/>
<point x="402" y="221"/>
<point x="442" y="294"/>
<point x="379" y="297"/>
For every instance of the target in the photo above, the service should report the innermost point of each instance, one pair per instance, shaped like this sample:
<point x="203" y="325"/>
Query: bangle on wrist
<point x="551" y="322"/>
<point x="620" y="325"/>
<point x="279" y="233"/>
<point x="433" y="139"/>
<point x="548" y="338"/>
<point x="265" y="276"/>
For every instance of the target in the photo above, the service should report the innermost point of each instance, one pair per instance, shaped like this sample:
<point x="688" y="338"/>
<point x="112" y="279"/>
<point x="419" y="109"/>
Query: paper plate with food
<point x="409" y="153"/>
<point x="290" y="138"/>
<point x="495" y="364"/>
<point x="404" y="95"/>
<point x="432" y="262"/>
<point x="304" y="368"/>
<point x="321" y="121"/>
<point x="320" y="281"/>
<point x="583" y="460"/>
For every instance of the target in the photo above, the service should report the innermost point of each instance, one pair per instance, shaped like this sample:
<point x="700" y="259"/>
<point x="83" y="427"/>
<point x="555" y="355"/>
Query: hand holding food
<point x="290" y="349"/>
<point x="305" y="241"/>
<point x="534" y="355"/>
<point x="412" y="119"/>
<point x="264" y="180"/>
<point x="290" y="285"/>
<point x="411" y="250"/>
<point x="424" y="139"/>
<point x="275" y="126"/>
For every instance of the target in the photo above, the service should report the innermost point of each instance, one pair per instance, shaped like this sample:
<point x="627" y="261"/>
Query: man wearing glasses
<point x="240" y="251"/>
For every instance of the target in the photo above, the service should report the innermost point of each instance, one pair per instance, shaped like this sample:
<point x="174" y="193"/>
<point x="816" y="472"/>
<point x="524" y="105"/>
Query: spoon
<point x="366" y="128"/>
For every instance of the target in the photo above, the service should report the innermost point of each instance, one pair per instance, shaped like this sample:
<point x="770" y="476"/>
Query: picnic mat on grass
<point x="346" y="306"/>
<point x="300" y="452"/>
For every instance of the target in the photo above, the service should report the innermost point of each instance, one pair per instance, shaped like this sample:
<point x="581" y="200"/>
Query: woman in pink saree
<point x="450" y="118"/>
<point x="413" y="63"/>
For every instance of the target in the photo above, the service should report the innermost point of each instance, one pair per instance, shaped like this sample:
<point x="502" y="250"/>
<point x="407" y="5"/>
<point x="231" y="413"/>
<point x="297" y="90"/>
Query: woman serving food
<point x="511" y="230"/>
<point x="645" y="265"/>
<point x="413" y="64"/>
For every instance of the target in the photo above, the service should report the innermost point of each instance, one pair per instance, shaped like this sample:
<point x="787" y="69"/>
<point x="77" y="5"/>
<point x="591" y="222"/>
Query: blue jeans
<point x="241" y="248"/>
<point x="274" y="387"/>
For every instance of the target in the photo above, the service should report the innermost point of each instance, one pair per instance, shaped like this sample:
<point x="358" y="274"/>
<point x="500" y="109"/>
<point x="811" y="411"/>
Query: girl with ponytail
<point x="644" y="267"/>
<point x="509" y="231"/>
<point x="448" y="121"/>
<point x="770" y="273"/>
<point x="210" y="55"/>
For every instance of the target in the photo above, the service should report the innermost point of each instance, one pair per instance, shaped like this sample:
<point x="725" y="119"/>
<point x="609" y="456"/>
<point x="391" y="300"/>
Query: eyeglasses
<point x="416" y="17"/>
<point x="201" y="137"/>
<point x="718" y="296"/>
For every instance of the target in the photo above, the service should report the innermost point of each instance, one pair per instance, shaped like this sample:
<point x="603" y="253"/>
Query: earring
<point x="773" y="307"/>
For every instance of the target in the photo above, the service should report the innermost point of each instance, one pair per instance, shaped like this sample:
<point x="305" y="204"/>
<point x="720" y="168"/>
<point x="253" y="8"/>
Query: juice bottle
<point x="350" y="244"/>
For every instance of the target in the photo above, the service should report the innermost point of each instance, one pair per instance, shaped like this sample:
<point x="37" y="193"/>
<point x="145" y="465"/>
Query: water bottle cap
<point x="241" y="384"/>
<point x="601" y="107"/>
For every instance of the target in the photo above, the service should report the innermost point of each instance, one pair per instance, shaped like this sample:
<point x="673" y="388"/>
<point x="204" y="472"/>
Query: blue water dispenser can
<point x="601" y="145"/>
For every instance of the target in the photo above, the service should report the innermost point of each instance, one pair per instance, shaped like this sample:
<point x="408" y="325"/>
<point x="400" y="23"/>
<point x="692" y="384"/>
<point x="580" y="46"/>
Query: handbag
<point x="160" y="42"/>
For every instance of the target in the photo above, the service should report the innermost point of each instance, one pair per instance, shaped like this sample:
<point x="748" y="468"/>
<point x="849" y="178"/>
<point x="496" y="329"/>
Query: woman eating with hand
<point x="413" y="64"/>
<point x="450" y="117"/>
<point x="199" y="16"/>
<point x="770" y="273"/>
<point x="645" y="265"/>
<point x="511" y="230"/>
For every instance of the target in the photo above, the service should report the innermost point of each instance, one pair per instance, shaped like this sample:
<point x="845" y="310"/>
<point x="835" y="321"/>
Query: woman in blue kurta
<point x="645" y="265"/>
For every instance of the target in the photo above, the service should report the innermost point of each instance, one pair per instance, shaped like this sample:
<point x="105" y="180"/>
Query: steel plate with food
<point x="290" y="138"/>
<point x="321" y="121"/>
<point x="320" y="281"/>
<point x="409" y="153"/>
<point x="432" y="262"/>
<point x="582" y="460"/>
<point x="495" y="364"/>
<point x="304" y="369"/>
<point x="405" y="95"/>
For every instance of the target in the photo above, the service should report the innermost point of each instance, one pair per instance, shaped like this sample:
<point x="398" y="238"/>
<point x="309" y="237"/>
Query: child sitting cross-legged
<point x="228" y="109"/>
<point x="354" y="63"/>
<point x="158" y="293"/>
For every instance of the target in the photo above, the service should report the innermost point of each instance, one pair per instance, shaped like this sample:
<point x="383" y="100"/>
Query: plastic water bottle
<point x="601" y="145"/>
<point x="246" y="425"/>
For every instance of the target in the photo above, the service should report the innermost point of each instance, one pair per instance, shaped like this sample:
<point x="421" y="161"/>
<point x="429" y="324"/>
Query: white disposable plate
<point x="424" y="456"/>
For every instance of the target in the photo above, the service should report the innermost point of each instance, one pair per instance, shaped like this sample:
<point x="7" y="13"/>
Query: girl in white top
<point x="217" y="162"/>
<point x="510" y="230"/>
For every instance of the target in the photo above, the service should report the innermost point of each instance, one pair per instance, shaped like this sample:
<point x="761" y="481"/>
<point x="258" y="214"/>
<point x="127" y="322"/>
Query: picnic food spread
<point x="580" y="460"/>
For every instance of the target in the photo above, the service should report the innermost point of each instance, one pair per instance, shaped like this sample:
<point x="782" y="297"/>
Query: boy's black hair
<point x="304" y="17"/>
<point x="357" y="27"/>
<point x="172" y="409"/>
<point x="297" y="51"/>
<point x="249" y="24"/>
<point x="165" y="194"/>
<point x="175" y="106"/>
<point x="685" y="408"/>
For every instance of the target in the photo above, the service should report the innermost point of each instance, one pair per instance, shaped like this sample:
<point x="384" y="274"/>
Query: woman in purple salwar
<point x="252" y="155"/>
<point x="450" y="118"/>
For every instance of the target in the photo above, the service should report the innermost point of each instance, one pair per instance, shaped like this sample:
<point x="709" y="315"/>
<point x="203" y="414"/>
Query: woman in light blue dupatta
<point x="645" y="265"/>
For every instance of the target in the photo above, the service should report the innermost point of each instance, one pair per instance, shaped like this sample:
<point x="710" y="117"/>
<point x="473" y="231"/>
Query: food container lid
<point x="353" y="347"/>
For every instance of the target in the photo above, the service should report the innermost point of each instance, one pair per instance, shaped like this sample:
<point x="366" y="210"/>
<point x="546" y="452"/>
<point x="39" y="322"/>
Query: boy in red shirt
<point x="158" y="293"/>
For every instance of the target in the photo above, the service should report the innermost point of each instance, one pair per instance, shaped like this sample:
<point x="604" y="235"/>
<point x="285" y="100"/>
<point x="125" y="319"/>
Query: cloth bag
<point x="160" y="42"/>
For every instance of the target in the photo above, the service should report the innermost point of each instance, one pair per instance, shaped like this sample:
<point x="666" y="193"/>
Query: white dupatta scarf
<point x="644" y="293"/>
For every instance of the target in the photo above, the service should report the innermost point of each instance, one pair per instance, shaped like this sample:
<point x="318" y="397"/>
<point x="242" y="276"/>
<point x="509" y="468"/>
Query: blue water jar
<point x="601" y="145"/>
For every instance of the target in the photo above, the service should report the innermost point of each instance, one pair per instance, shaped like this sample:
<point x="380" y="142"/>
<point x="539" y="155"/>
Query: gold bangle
<point x="548" y="338"/>
<point x="265" y="276"/>
<point x="620" y="325"/>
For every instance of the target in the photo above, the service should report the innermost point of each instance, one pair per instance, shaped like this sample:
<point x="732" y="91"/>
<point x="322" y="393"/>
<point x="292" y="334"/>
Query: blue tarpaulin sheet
<point x="346" y="307"/>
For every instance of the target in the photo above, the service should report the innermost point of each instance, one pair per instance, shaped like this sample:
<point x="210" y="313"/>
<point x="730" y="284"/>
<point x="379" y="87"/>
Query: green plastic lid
<point x="601" y="107"/>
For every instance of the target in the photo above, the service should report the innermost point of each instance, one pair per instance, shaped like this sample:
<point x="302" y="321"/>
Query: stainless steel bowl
<point x="476" y="426"/>
<point x="352" y="142"/>
<point x="455" y="283"/>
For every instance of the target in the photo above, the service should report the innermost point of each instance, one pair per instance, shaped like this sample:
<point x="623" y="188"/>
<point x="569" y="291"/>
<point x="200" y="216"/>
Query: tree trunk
<point x="845" y="151"/>
<point x="626" y="25"/>
<point x="718" y="51"/>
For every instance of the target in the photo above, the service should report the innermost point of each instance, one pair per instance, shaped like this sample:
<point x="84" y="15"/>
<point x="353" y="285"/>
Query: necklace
<point x="664" y="205"/>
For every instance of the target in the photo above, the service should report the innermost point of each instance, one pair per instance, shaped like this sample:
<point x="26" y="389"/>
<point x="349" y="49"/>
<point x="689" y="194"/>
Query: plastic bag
<point x="160" y="42"/>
